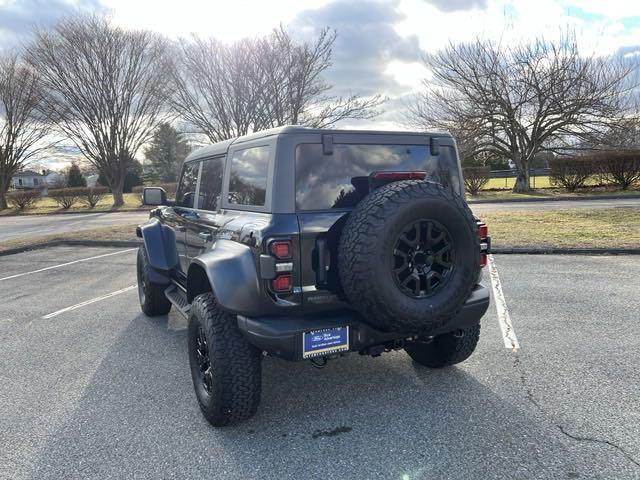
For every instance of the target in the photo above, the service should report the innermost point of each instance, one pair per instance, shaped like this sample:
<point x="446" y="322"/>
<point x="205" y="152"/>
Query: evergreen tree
<point x="165" y="153"/>
<point x="74" y="177"/>
<point x="132" y="178"/>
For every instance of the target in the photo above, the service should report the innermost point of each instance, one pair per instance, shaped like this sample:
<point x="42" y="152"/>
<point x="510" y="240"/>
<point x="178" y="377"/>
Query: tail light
<point x="282" y="283"/>
<point x="281" y="249"/>
<point x="485" y="242"/>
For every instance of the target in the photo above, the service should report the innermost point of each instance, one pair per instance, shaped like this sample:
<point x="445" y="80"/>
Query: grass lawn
<point x="615" y="227"/>
<point x="118" y="232"/>
<point x="46" y="205"/>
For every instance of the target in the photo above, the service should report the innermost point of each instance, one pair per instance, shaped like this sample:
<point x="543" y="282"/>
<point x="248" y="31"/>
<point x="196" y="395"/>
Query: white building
<point x="28" y="179"/>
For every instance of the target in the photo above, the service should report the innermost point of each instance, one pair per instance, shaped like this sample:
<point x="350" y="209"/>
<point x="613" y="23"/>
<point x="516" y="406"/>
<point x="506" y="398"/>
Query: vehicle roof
<point x="220" y="148"/>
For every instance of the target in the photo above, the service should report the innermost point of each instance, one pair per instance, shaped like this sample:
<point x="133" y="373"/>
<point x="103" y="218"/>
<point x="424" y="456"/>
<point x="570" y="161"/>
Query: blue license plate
<point x="323" y="342"/>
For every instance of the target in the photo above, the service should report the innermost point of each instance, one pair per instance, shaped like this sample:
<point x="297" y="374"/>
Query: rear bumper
<point x="282" y="336"/>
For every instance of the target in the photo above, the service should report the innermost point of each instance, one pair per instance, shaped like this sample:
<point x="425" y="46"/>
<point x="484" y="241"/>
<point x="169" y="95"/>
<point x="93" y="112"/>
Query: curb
<point x="81" y="243"/>
<point x="554" y="199"/>
<point x="565" y="251"/>
<point x="74" y="213"/>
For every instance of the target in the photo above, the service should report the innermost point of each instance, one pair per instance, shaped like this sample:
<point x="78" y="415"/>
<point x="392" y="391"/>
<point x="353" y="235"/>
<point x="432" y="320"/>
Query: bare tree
<point x="106" y="88"/>
<point x="517" y="101"/>
<point x="22" y="127"/>
<point x="295" y="92"/>
<point x="217" y="87"/>
<point x="225" y="91"/>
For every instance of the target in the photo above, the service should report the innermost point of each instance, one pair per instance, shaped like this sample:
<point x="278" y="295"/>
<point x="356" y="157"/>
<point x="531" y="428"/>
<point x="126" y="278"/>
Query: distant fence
<point x="510" y="174"/>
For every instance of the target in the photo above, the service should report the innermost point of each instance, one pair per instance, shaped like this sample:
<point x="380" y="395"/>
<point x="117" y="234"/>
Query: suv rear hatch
<point x="330" y="182"/>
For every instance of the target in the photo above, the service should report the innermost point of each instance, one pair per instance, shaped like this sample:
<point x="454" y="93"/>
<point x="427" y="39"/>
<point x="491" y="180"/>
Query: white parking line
<point x="504" y="320"/>
<point x="89" y="302"/>
<point x="65" y="264"/>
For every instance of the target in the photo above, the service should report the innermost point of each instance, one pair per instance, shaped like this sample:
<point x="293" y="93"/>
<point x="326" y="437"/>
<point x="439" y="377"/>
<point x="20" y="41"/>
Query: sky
<point x="380" y="44"/>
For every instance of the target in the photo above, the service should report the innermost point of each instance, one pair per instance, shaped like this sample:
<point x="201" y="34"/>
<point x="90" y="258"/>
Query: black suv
<point x="308" y="244"/>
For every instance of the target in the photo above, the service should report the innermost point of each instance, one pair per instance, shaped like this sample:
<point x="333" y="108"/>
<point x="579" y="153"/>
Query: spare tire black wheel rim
<point x="423" y="258"/>
<point x="204" y="362"/>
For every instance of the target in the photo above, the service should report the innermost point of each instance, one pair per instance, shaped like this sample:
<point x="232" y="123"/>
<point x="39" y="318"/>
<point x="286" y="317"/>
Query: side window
<point x="211" y="184"/>
<point x="187" y="188"/>
<point x="248" y="178"/>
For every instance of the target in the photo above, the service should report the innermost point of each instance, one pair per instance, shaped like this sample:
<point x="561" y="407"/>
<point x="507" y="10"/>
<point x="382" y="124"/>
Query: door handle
<point x="207" y="237"/>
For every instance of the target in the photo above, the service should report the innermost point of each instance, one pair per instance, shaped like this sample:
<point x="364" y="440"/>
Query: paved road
<point x="553" y="205"/>
<point x="35" y="225"/>
<point x="102" y="391"/>
<point x="25" y="226"/>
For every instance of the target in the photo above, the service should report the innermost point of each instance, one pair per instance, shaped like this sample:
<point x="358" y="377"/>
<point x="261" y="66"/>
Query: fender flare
<point x="160" y="244"/>
<point x="231" y="270"/>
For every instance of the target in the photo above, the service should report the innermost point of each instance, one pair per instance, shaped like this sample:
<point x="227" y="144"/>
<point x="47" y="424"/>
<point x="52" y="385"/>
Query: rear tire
<point x="153" y="301"/>
<point x="225" y="368"/>
<point x="445" y="350"/>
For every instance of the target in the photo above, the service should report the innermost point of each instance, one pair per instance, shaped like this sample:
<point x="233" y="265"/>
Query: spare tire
<point x="409" y="256"/>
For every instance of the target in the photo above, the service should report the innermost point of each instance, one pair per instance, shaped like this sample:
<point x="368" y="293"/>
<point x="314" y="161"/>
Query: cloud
<point x="18" y="19"/>
<point x="456" y="5"/>
<point x="367" y="42"/>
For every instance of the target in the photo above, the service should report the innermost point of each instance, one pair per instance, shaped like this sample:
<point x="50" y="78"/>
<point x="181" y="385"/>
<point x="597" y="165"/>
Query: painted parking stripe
<point x="65" y="264"/>
<point x="89" y="302"/>
<point x="504" y="319"/>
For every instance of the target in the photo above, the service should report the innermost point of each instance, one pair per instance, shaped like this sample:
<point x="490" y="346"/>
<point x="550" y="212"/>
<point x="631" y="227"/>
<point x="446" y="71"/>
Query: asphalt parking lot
<point x="91" y="388"/>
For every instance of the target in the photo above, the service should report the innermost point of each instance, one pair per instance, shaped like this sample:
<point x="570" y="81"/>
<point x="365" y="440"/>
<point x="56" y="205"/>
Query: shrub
<point x="619" y="168"/>
<point x="22" y="199"/>
<point x="66" y="197"/>
<point x="90" y="196"/>
<point x="571" y="172"/>
<point x="475" y="178"/>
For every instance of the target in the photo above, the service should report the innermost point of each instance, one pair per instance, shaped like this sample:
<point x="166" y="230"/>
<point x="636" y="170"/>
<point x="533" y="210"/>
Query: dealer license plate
<point x="323" y="342"/>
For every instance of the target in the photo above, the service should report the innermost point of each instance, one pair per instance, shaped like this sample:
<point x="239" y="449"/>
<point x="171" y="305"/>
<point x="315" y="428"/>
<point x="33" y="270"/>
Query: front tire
<point x="225" y="368"/>
<point x="153" y="301"/>
<point x="445" y="350"/>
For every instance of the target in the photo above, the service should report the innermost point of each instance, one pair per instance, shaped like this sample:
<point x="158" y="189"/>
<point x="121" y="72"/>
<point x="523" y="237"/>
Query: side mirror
<point x="154" y="196"/>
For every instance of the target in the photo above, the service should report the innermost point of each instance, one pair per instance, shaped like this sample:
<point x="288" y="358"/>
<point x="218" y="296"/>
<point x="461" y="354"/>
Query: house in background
<point x="43" y="181"/>
<point x="92" y="180"/>
<point x="28" y="179"/>
<point x="54" y="179"/>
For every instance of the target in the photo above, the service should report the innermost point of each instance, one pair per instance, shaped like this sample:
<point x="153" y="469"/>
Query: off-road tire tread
<point x="355" y="254"/>
<point x="445" y="350"/>
<point x="238" y="382"/>
<point x="155" y="301"/>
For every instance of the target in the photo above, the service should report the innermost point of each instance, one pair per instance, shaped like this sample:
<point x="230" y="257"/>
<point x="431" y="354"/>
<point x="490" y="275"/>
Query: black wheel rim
<point x="203" y="361"/>
<point x="142" y="285"/>
<point x="423" y="258"/>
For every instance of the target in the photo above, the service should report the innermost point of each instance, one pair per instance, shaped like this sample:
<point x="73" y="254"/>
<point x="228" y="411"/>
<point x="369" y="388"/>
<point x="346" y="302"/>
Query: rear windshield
<point x="340" y="180"/>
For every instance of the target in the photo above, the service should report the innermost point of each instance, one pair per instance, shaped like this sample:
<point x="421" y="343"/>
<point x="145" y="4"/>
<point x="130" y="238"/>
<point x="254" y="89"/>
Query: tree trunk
<point x="117" y="186"/>
<point x="4" y="187"/>
<point x="115" y="179"/>
<point x="118" y="197"/>
<point x="523" y="185"/>
<point x="3" y="200"/>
